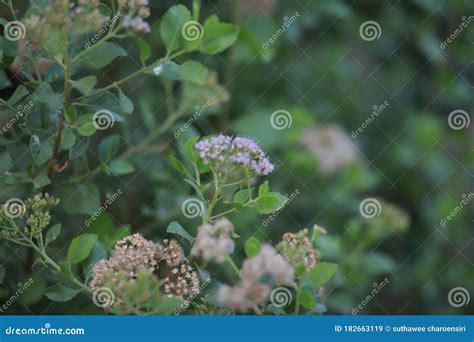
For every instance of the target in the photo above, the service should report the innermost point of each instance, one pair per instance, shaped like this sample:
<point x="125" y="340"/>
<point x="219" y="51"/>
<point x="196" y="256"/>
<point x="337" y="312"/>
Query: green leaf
<point x="68" y="139"/>
<point x="61" y="293"/>
<point x="87" y="129"/>
<point x="307" y="300"/>
<point x="189" y="149"/>
<point x="80" y="247"/>
<point x="217" y="36"/>
<point x="126" y="103"/>
<point x="175" y="228"/>
<point x="41" y="181"/>
<point x="145" y="50"/>
<point x="121" y="167"/>
<point x="242" y="196"/>
<point x="177" y="165"/>
<point x="190" y="71"/>
<point x="65" y="269"/>
<point x="40" y="150"/>
<point x="70" y="113"/>
<point x="46" y="95"/>
<point x="84" y="85"/>
<point x="252" y="247"/>
<point x="103" y="101"/>
<point x="321" y="273"/>
<point x="171" y="24"/>
<point x="6" y="162"/>
<point x="20" y="92"/>
<point x="109" y="146"/>
<point x="102" y="55"/>
<point x="263" y="189"/>
<point x="52" y="234"/>
<point x="4" y="80"/>
<point x="270" y="202"/>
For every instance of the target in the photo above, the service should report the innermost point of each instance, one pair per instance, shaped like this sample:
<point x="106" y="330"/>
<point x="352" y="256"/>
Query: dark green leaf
<point x="20" y="92"/>
<point x="68" y="139"/>
<point x="125" y="103"/>
<point x="108" y="147"/>
<point x="85" y="85"/>
<point x="121" y="167"/>
<point x="60" y="293"/>
<point x="145" y="50"/>
<point x="190" y="71"/>
<point x="80" y="248"/>
<point x="175" y="228"/>
<point x="52" y="234"/>
<point x="99" y="56"/>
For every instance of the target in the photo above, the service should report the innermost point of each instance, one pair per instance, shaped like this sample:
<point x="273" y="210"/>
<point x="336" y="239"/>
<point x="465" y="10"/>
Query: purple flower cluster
<point x="221" y="149"/>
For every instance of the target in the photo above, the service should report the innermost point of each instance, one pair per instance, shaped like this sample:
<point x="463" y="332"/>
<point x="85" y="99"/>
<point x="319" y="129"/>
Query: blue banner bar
<point x="237" y="328"/>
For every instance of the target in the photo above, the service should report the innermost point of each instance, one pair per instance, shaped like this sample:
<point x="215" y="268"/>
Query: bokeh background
<point x="311" y="61"/>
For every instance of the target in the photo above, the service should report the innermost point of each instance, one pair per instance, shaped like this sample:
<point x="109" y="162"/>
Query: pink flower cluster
<point x="222" y="149"/>
<point x="138" y="11"/>
<point x="214" y="241"/>
<point x="252" y="291"/>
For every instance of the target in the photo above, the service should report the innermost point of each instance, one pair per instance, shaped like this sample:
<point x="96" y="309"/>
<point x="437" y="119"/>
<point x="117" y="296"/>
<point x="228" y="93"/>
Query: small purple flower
<point x="240" y="151"/>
